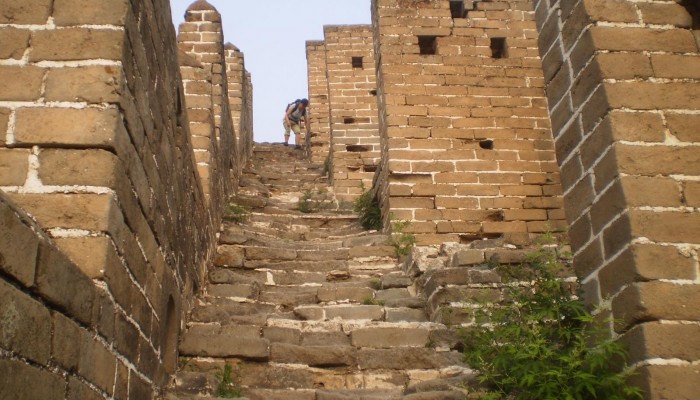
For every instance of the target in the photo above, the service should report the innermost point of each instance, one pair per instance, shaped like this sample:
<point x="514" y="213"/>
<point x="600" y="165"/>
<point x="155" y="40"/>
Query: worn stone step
<point x="406" y="358"/>
<point x="359" y="394"/>
<point x="223" y="342"/>
<point x="289" y="296"/>
<point x="229" y="312"/>
<point x="343" y="311"/>
<point x="281" y="394"/>
<point x="311" y="266"/>
<point x="313" y="356"/>
<point x="245" y="291"/>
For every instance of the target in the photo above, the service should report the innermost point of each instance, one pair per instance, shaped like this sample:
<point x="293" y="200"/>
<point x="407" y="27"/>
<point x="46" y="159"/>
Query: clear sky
<point x="272" y="35"/>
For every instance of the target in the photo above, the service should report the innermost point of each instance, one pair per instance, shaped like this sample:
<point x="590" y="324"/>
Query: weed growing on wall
<point x="312" y="201"/>
<point x="236" y="213"/>
<point x="368" y="209"/>
<point x="402" y="241"/>
<point x="545" y="344"/>
<point x="229" y="382"/>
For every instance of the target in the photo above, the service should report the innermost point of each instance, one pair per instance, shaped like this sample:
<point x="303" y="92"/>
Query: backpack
<point x="295" y="103"/>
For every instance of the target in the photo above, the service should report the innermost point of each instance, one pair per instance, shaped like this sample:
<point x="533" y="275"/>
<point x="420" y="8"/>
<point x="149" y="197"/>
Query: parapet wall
<point x="623" y="83"/>
<point x="106" y="230"/>
<point x="467" y="150"/>
<point x="318" y="143"/>
<point x="352" y="90"/>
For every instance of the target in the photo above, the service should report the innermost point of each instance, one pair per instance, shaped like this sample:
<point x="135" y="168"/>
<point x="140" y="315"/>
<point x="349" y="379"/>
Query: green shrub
<point x="236" y="213"/>
<point x="229" y="382"/>
<point x="368" y="209"/>
<point x="312" y="201"/>
<point x="371" y="301"/>
<point x="544" y="344"/>
<point x="402" y="241"/>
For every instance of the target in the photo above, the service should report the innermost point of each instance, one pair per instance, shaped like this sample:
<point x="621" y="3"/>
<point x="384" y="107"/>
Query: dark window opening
<point x="348" y="120"/>
<point x="498" y="47"/>
<point x="457" y="9"/>
<point x="357" y="62"/>
<point x="370" y="168"/>
<point x="373" y="92"/>
<point x="693" y="8"/>
<point x="427" y="44"/>
<point x="357" y="148"/>
<point x="486" y="144"/>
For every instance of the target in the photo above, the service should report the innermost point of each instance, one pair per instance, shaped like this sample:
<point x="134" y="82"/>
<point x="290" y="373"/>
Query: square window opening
<point x="357" y="62"/>
<point x="457" y="9"/>
<point x="498" y="47"/>
<point x="427" y="45"/>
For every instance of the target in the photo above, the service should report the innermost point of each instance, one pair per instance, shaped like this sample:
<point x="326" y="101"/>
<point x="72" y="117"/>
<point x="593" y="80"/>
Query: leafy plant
<point x="371" y="301"/>
<point x="544" y="344"/>
<point x="229" y="382"/>
<point x="368" y="209"/>
<point x="402" y="241"/>
<point x="375" y="284"/>
<point x="326" y="166"/>
<point x="237" y="213"/>
<point x="312" y="201"/>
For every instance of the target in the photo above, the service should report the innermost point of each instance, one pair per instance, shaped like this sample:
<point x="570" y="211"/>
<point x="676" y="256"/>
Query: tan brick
<point x="666" y="193"/>
<point x="77" y="390"/>
<point x="668" y="381"/>
<point x="19" y="380"/>
<point x="589" y="258"/>
<point x="97" y="364"/>
<point x="25" y="84"/>
<point x="74" y="211"/>
<point x="637" y="126"/>
<point x="645" y="263"/>
<point x="684" y="126"/>
<point x="76" y="44"/>
<point x="14" y="43"/>
<point x="503" y="227"/>
<point x="25" y="325"/>
<point x="18" y="247"/>
<point x="676" y="66"/>
<point x="651" y="96"/>
<point x="612" y="11"/>
<point x="692" y="194"/>
<point x="651" y="301"/>
<point x="673" y="227"/>
<point x="99" y="84"/>
<point x="66" y="341"/>
<point x="666" y="14"/>
<point x="655" y="340"/>
<point x="665" y="160"/>
<point x="66" y="126"/>
<point x="25" y="12"/>
<point x="643" y="39"/>
<point x="524" y="215"/>
<point x="79" y="167"/>
<point x="624" y="65"/>
<point x="88" y="253"/>
<point x="4" y="122"/>
<point x="14" y="166"/>
<point x="89" y="12"/>
<point x="389" y="337"/>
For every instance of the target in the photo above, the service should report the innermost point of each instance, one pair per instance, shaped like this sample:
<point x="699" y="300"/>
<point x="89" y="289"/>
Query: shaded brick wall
<point x="238" y="87"/>
<point x="318" y="143"/>
<point x="467" y="151"/>
<point x="201" y="37"/>
<point x="623" y="83"/>
<point x="95" y="147"/>
<point x="353" y="108"/>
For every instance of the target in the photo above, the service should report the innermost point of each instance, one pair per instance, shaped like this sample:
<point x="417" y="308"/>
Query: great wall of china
<point x="483" y="123"/>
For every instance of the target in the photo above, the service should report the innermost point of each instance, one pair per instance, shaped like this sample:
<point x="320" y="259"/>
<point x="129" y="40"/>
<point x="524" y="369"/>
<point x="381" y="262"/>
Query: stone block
<point x="649" y="301"/>
<point x="14" y="43"/>
<point x="66" y="341"/>
<point x="97" y="364"/>
<point x="467" y="257"/>
<point x="62" y="283"/>
<point x="313" y="356"/>
<point x="275" y="334"/>
<point x="21" y="381"/>
<point x="356" y="294"/>
<point x="28" y="12"/>
<point x="77" y="390"/>
<point x="73" y="44"/>
<point x="89" y="12"/>
<point x="404" y="314"/>
<point x="662" y="341"/>
<point x="63" y="126"/>
<point x="18" y="246"/>
<point x="673" y="227"/>
<point x="25" y="84"/>
<point x="25" y="325"/>
<point x="406" y="359"/>
<point x="223" y="343"/>
<point x="229" y="256"/>
<point x="683" y="126"/>
<point x="392" y="294"/>
<point x="381" y="337"/>
<point x="14" y="166"/>
<point x="372" y="251"/>
<point x="79" y="167"/>
<point x="235" y="290"/>
<point x="270" y="253"/>
<point x="368" y="312"/>
<point x="310" y="312"/>
<point x="99" y="84"/>
<point x="88" y="253"/>
<point x="643" y="39"/>
<point x="668" y="381"/>
<point x="335" y="338"/>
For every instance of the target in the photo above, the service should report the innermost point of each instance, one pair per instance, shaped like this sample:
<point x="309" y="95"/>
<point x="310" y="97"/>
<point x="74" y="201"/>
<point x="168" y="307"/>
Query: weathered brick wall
<point x="237" y="96"/>
<point x="353" y="108"/>
<point x="201" y="37"/>
<point x="246" y="138"/>
<point x="466" y="143"/>
<point x="95" y="147"/>
<point x="623" y="82"/>
<point x="318" y="143"/>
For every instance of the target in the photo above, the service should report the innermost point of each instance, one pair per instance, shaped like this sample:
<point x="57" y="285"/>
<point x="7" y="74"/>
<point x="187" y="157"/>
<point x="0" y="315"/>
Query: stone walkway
<point x="311" y="306"/>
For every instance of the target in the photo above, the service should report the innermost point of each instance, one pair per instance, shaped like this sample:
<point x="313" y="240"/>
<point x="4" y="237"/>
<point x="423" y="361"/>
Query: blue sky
<point x="272" y="35"/>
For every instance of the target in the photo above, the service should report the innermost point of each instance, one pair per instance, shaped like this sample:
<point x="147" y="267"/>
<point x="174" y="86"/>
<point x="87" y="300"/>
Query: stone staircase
<point x="310" y="305"/>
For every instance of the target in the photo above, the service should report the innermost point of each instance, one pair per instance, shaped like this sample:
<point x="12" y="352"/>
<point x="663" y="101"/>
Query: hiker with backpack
<point x="292" y="119"/>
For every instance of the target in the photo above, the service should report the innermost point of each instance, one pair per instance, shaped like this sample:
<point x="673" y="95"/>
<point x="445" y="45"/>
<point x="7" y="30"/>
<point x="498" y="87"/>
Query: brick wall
<point x="201" y="37"/>
<point x="95" y="147"/>
<point x="623" y="83"/>
<point x="238" y="87"/>
<point x="353" y="108"/>
<point x="467" y="151"/>
<point x="318" y="143"/>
